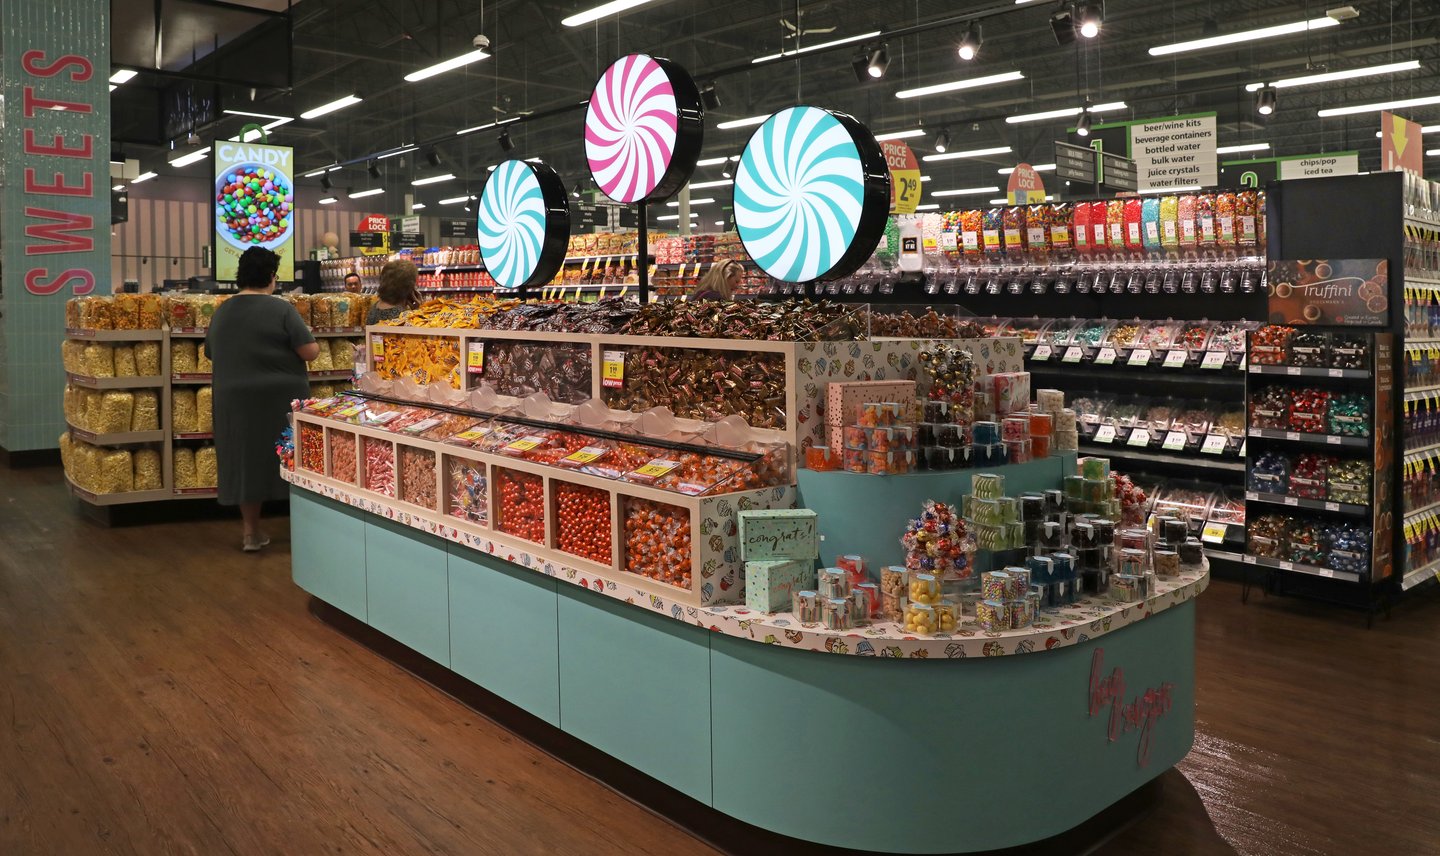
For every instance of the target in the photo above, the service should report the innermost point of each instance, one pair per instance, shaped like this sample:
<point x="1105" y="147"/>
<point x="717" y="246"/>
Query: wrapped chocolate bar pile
<point x="931" y="325"/>
<point x="523" y="368"/>
<point x="703" y="384"/>
<point x="791" y="321"/>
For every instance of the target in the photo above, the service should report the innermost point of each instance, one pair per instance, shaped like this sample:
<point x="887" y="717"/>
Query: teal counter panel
<point x="327" y="548"/>
<point x="925" y="757"/>
<point x="865" y="514"/>
<point x="407" y="581"/>
<point x="637" y="686"/>
<point x="504" y="627"/>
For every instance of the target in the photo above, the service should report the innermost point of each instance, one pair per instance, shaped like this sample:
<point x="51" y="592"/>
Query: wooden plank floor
<point x="161" y="692"/>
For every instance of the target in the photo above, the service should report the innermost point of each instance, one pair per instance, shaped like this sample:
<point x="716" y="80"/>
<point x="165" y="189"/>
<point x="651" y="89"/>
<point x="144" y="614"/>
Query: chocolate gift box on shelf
<point x="770" y="583"/>
<point x="788" y="533"/>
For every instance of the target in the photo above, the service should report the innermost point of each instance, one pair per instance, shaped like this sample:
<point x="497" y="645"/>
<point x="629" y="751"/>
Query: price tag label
<point x="1291" y="501"/>
<point x="1105" y="357"/>
<point x="1139" y="357"/>
<point x="1332" y="506"/>
<point x="421" y="427"/>
<point x="1072" y="354"/>
<point x="1042" y="352"/>
<point x="1292" y="435"/>
<point x="1214" y="533"/>
<point x="613" y="369"/>
<point x="1213" y="360"/>
<point x="377" y="346"/>
<point x="1333" y="440"/>
<point x="1139" y="437"/>
<point x="656" y="468"/>
<point x="1325" y="572"/>
<point x="1214" y="444"/>
<point x="1286" y="566"/>
<point x="1292" y="370"/>
<point x="475" y="358"/>
<point x="1337" y="373"/>
<point x="1175" y="359"/>
<point x="524" y="444"/>
<point x="1105" y="434"/>
<point x="353" y="410"/>
<point x="473" y="434"/>
<point x="586" y="454"/>
<point x="1174" y="441"/>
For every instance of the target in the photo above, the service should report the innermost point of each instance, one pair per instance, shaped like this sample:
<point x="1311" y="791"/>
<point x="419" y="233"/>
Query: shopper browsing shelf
<point x="259" y="348"/>
<point x="719" y="282"/>
<point x="398" y="292"/>
<point x="353" y="284"/>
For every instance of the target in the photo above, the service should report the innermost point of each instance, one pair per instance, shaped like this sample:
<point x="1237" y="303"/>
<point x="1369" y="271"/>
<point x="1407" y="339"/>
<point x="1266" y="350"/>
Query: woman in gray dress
<point x="259" y="346"/>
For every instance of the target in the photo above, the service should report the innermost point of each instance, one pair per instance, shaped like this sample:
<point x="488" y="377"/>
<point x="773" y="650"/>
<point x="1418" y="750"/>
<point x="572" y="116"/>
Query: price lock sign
<point x="612" y="373"/>
<point x="904" y="176"/>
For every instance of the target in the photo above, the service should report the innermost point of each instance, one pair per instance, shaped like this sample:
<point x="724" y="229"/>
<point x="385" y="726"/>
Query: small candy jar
<point x="836" y="613"/>
<point x="806" y="606"/>
<point x="919" y="619"/>
<point x="947" y="616"/>
<point x="924" y="589"/>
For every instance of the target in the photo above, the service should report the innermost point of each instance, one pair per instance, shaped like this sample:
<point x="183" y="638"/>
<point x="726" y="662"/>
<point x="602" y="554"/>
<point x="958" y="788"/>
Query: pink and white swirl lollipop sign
<point x="643" y="129"/>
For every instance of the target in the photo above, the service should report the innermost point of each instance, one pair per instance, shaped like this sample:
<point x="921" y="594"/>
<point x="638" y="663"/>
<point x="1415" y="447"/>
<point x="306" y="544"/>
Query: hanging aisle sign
<point x="254" y="199"/>
<point x="523" y="224"/>
<point x="812" y="192"/>
<point x="643" y="129"/>
<point x="1175" y="152"/>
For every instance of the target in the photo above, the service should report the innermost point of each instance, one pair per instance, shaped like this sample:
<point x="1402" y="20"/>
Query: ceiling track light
<point x="942" y="140"/>
<point x="1082" y="125"/>
<point x="326" y="184"/>
<point x="1088" y="17"/>
<point x="878" y="61"/>
<point x="1062" y="24"/>
<point x="432" y="157"/>
<point x="373" y="168"/>
<point x="970" y="42"/>
<point x="575" y="191"/>
<point x="710" y="97"/>
<point x="506" y="144"/>
<point x="1266" y="101"/>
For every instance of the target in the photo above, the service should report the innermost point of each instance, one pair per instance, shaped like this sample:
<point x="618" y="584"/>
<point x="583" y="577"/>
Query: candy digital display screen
<point x="254" y="198"/>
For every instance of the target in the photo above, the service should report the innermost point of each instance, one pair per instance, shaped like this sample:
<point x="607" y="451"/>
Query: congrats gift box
<point x="769" y="583"/>
<point x="787" y="533"/>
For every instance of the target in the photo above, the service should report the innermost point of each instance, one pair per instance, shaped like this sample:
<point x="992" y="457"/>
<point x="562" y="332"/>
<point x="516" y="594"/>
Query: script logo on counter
<point x="1140" y="714"/>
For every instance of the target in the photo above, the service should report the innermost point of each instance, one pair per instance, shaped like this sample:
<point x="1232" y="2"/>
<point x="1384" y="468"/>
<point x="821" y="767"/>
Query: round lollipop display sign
<point x="643" y="129"/>
<point x="812" y="192"/>
<point x="524" y="224"/>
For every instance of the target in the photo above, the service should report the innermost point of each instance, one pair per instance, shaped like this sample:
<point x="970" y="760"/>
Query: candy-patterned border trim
<point x="1072" y="625"/>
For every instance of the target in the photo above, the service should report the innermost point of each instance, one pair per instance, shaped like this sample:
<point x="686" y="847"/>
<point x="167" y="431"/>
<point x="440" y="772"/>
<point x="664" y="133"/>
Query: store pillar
<point x="54" y="199"/>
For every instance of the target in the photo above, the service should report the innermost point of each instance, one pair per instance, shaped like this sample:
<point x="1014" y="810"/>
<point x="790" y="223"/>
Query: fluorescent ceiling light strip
<point x="955" y="85"/>
<point x="716" y="161"/>
<point x="321" y="171"/>
<point x="705" y="201"/>
<point x="1039" y="167"/>
<point x="193" y="157"/>
<point x="1347" y="74"/>
<point x="328" y="200"/>
<point x="434" y="179"/>
<point x="331" y="107"/>
<point x="144" y="176"/>
<point x="932" y="206"/>
<point x="1379" y="105"/>
<point x="361" y="194"/>
<point x="118" y="187"/>
<point x="973" y="153"/>
<point x="966" y="191"/>
<point x="124" y="75"/>
<point x="743" y="123"/>
<point x="417" y="206"/>
<point x="1433" y="153"/>
<point x="806" y="49"/>
<point x="924" y="178"/>
<point x="675" y="216"/>
<point x="455" y="200"/>
<point x="113" y="87"/>
<point x="1179" y="188"/>
<point x="719" y="182"/>
<point x="447" y="65"/>
<point x="604" y="10"/>
<point x="1066" y="112"/>
<point x="1242" y="147"/>
<point x="1289" y="29"/>
<point x="400" y="151"/>
<point x="900" y="135"/>
<point x="253" y="115"/>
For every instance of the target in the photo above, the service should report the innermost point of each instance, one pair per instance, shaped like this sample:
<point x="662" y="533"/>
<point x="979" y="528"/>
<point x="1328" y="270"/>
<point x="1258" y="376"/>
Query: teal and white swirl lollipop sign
<point x="524" y="224"/>
<point x="811" y="195"/>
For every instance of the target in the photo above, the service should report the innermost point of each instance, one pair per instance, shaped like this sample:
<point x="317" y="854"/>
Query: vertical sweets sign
<point x="254" y="201"/>
<point x="54" y="195"/>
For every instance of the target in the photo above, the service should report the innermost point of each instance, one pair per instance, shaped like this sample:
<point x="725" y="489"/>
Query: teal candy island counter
<point x="870" y="738"/>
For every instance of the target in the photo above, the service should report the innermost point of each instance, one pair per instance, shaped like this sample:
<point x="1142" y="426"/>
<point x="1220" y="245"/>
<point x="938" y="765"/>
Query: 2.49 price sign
<point x="904" y="176"/>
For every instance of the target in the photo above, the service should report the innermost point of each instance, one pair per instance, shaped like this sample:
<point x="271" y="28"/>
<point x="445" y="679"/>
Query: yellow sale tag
<point x="656" y="468"/>
<point x="612" y="371"/>
<point x="475" y="359"/>
<point x="350" y="411"/>
<point x="1213" y="533"/>
<point x="377" y="346"/>
<point x="473" y="434"/>
<point x="524" y="444"/>
<point x="586" y="455"/>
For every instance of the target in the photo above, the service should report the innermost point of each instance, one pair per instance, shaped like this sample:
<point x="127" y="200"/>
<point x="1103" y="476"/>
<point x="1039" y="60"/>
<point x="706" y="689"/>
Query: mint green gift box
<point x="770" y="582"/>
<point x="784" y="533"/>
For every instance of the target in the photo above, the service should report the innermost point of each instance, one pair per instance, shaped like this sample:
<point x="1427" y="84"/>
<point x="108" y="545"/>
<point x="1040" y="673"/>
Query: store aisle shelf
<point x="1299" y="568"/>
<point x="1420" y="575"/>
<point x="192" y="493"/>
<point x="193" y="435"/>
<point x="115" y="335"/>
<point x="1429" y="387"/>
<point x="1123" y="452"/>
<point x="1316" y="439"/>
<point x="1305" y="371"/>
<point x="1420" y="450"/>
<point x="117" y="439"/>
<point x="1434" y="506"/>
<point x="126" y="498"/>
<point x="1224" y="555"/>
<point x="115" y="382"/>
<point x="1312" y="504"/>
<point x="190" y="378"/>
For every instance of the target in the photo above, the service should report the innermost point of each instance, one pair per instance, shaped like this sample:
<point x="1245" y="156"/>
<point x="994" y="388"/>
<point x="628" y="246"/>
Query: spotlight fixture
<point x="575" y="191"/>
<point x="942" y="141"/>
<point x="326" y="183"/>
<point x="506" y="144"/>
<point x="1266" y="101"/>
<point x="725" y="171"/>
<point x="710" y="96"/>
<point x="432" y="157"/>
<point x="1088" y="17"/>
<point x="1082" y="125"/>
<point x="970" y="42"/>
<point x="878" y="62"/>
<point x="858" y="64"/>
<point x="373" y="168"/>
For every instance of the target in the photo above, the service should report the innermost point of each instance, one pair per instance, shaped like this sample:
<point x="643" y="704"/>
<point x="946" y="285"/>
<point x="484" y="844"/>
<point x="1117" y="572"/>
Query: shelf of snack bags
<point x="1333" y="549"/>
<point x="1185" y="432"/>
<point x="114" y="365"/>
<point x="113" y="476"/>
<point x="744" y="359"/>
<point x="586" y="487"/>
